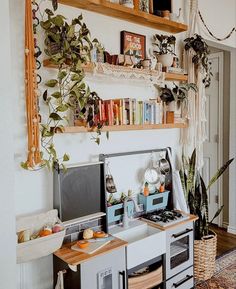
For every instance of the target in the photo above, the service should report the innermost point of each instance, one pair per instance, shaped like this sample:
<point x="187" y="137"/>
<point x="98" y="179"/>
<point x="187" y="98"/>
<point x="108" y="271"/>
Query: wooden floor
<point x="225" y="241"/>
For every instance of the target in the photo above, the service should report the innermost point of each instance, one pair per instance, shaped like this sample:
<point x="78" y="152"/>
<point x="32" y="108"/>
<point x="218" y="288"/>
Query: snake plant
<point x="196" y="193"/>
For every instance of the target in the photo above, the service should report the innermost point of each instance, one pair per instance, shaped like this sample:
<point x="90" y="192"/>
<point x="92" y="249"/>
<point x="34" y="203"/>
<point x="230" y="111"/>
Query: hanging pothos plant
<point x="68" y="47"/>
<point x="201" y="49"/>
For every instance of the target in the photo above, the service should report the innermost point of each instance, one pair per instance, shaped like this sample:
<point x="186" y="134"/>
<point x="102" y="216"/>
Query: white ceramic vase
<point x="172" y="106"/>
<point x="166" y="59"/>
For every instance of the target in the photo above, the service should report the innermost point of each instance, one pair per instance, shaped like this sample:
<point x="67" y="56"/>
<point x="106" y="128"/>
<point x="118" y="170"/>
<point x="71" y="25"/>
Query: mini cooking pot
<point x="164" y="166"/>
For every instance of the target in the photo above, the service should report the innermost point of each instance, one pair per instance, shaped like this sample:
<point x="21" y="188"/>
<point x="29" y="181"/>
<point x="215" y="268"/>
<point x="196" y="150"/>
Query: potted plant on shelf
<point x="175" y="98"/>
<point x="196" y="194"/>
<point x="200" y="57"/>
<point x="180" y="94"/>
<point x="164" y="48"/>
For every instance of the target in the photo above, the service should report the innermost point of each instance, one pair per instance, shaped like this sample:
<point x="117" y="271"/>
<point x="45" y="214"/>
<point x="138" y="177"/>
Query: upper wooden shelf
<point x="128" y="14"/>
<point x="132" y="73"/>
<point x="81" y="129"/>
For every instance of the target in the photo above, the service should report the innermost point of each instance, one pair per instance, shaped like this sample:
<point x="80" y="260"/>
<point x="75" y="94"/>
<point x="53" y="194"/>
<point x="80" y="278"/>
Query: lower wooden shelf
<point x="82" y="129"/>
<point x="148" y="280"/>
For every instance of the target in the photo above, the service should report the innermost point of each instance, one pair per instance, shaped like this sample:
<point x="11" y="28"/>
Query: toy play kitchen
<point x="121" y="229"/>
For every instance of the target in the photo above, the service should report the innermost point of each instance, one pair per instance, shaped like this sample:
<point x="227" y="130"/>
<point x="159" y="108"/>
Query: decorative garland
<point x="212" y="35"/>
<point x="32" y="79"/>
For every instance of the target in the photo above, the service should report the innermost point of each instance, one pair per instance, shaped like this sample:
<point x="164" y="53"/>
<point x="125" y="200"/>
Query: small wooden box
<point x="170" y="117"/>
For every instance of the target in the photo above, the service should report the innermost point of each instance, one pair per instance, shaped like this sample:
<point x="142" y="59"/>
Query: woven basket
<point x="205" y="256"/>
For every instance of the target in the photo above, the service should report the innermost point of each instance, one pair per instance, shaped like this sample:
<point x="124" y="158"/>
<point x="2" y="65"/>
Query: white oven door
<point x="179" y="249"/>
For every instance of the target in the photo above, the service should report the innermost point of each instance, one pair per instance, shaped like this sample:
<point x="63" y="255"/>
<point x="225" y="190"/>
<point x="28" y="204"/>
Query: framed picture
<point x="133" y="44"/>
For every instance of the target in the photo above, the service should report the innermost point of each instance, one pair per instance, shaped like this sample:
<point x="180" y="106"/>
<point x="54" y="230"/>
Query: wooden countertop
<point x="191" y="218"/>
<point x="75" y="258"/>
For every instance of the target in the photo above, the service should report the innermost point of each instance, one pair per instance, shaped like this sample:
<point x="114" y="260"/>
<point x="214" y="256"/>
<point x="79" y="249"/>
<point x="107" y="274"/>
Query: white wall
<point x="33" y="190"/>
<point x="7" y="198"/>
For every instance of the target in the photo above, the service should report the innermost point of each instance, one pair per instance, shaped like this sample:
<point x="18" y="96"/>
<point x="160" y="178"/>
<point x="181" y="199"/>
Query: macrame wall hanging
<point x="195" y="135"/>
<point x="31" y="86"/>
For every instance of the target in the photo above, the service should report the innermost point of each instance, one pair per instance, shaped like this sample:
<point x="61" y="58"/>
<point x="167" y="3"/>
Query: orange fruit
<point x="99" y="234"/>
<point x="45" y="232"/>
<point x="82" y="244"/>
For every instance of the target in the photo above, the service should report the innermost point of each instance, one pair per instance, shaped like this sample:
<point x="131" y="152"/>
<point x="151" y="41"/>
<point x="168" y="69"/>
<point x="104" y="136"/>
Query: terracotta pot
<point x="166" y="14"/>
<point x="165" y="59"/>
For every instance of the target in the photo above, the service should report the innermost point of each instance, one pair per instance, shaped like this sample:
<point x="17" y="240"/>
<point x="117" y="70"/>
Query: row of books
<point x="129" y="111"/>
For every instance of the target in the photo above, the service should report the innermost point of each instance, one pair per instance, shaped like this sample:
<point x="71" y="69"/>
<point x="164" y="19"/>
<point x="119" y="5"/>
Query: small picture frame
<point x="133" y="44"/>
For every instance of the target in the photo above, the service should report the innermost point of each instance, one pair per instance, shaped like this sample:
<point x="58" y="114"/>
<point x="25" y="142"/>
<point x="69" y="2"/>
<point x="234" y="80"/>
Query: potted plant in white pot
<point x="175" y="98"/>
<point x="196" y="193"/>
<point x="164" y="48"/>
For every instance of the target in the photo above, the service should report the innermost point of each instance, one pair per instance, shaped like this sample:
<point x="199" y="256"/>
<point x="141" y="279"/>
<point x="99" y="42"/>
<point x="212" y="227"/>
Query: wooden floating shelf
<point x="121" y="12"/>
<point x="176" y="77"/>
<point x="90" y="68"/>
<point x="82" y="129"/>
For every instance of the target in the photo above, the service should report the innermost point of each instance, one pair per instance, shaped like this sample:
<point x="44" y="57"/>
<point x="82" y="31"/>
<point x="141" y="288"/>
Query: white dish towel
<point x="60" y="280"/>
<point x="178" y="193"/>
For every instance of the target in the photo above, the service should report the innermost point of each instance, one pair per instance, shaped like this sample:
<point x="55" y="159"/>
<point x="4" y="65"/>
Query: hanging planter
<point x="200" y="58"/>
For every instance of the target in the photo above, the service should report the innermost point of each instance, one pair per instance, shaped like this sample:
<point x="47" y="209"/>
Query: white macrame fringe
<point x="195" y="135"/>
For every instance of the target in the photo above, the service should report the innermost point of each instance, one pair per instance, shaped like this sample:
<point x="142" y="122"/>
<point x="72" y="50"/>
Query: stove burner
<point x="163" y="215"/>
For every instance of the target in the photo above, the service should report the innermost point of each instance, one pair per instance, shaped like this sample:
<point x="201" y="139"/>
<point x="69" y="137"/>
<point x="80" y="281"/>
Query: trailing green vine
<point x="68" y="47"/>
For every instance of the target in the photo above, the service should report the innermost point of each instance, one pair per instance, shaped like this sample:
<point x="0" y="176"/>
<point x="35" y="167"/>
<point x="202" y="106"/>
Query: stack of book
<point x="129" y="111"/>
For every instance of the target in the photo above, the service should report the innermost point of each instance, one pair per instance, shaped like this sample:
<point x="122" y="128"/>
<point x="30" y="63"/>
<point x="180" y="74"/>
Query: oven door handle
<point x="122" y="273"/>
<point x="182" y="233"/>
<point x="188" y="277"/>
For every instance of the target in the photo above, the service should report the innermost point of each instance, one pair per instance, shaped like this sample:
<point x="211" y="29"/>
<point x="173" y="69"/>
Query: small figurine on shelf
<point x="180" y="18"/>
<point x="127" y="3"/>
<point x="146" y="191"/>
<point x="97" y="53"/>
<point x="144" y="5"/>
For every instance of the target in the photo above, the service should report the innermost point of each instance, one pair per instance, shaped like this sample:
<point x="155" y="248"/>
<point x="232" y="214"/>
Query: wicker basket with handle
<point x="205" y="256"/>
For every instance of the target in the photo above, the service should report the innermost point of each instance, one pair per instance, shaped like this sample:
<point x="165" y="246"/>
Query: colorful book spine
<point x="129" y="111"/>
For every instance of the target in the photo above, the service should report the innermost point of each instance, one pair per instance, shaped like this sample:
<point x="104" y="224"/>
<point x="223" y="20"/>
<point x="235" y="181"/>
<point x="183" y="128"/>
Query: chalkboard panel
<point x="79" y="191"/>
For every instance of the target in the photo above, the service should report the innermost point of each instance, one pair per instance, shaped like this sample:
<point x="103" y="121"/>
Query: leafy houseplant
<point x="178" y="93"/>
<point x="111" y="201"/>
<point x="201" y="52"/>
<point x="196" y="194"/>
<point x="164" y="48"/>
<point x="68" y="46"/>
